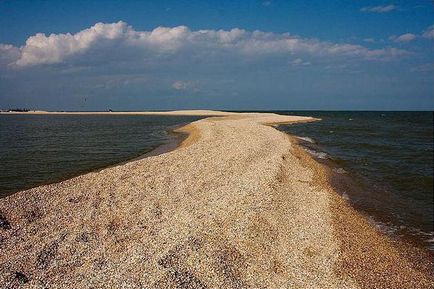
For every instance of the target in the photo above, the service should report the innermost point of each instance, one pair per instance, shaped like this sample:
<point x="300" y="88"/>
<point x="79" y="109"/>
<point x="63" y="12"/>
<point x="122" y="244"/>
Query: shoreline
<point x="349" y="185"/>
<point x="165" y="113"/>
<point x="352" y="225"/>
<point x="252" y="215"/>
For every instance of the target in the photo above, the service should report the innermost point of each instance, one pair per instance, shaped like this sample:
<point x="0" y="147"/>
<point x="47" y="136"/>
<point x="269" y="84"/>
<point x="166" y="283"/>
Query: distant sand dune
<point x="237" y="205"/>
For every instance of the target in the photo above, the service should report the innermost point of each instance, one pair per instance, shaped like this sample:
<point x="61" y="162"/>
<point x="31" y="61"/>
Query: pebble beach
<point x="238" y="204"/>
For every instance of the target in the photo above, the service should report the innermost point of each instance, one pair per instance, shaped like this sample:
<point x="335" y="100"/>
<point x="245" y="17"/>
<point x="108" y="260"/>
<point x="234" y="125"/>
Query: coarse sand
<point x="237" y="205"/>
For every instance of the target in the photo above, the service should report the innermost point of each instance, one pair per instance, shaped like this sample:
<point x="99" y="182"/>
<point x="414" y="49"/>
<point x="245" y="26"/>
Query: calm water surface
<point x="37" y="149"/>
<point x="389" y="155"/>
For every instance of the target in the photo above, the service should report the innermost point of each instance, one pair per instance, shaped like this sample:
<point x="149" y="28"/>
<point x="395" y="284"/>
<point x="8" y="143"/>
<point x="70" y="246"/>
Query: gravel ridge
<point x="236" y="205"/>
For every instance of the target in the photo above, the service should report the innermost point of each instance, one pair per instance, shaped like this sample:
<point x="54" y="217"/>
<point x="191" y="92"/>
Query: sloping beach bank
<point x="237" y="205"/>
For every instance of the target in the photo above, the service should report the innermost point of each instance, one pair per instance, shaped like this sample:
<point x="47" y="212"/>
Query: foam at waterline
<point x="318" y="154"/>
<point x="339" y="170"/>
<point x="345" y="196"/>
<point x="305" y="138"/>
<point x="394" y="230"/>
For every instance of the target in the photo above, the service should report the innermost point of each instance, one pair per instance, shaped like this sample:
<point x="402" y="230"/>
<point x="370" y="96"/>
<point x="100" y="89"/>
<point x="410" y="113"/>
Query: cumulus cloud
<point x="429" y="32"/>
<point x="299" y="61"/>
<point x="379" y="9"/>
<point x="8" y="54"/>
<point x="407" y="37"/>
<point x="42" y="49"/>
<point x="119" y="42"/>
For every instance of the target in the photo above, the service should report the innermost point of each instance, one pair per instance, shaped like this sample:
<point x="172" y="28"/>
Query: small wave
<point x="305" y="138"/>
<point x="386" y="228"/>
<point x="318" y="154"/>
<point x="419" y="232"/>
<point x="391" y="230"/>
<point x="345" y="196"/>
<point x="429" y="240"/>
<point x="340" y="171"/>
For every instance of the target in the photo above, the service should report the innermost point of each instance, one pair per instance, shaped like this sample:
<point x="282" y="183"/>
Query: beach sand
<point x="237" y="205"/>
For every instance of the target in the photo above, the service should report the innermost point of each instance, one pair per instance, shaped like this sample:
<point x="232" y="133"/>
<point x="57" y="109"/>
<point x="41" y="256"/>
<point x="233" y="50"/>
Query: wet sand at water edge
<point x="237" y="205"/>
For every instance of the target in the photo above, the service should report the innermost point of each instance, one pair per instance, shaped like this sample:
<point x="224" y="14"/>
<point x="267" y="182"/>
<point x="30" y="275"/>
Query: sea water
<point x="40" y="149"/>
<point x="389" y="157"/>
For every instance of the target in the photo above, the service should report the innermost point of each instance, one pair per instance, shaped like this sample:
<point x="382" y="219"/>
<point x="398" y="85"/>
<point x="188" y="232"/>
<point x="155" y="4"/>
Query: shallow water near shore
<point x="40" y="149"/>
<point x="382" y="163"/>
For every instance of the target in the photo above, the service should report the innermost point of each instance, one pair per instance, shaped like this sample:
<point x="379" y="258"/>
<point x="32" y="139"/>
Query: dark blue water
<point x="389" y="158"/>
<point x="38" y="149"/>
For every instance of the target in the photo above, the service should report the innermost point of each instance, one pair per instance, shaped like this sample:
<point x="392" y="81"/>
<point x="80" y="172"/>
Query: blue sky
<point x="138" y="55"/>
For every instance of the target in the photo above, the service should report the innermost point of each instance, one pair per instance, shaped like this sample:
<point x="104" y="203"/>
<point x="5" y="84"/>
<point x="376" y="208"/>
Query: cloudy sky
<point x="141" y="55"/>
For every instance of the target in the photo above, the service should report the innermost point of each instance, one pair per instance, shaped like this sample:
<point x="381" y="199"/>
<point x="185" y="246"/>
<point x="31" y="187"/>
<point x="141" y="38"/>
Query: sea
<point x="382" y="161"/>
<point x="42" y="149"/>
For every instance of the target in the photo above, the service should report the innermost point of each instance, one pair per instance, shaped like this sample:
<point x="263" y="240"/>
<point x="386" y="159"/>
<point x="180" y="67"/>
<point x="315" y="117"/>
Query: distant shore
<point x="173" y="112"/>
<point x="237" y="205"/>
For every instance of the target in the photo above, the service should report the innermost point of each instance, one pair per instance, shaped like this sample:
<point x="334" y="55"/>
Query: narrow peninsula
<point x="237" y="205"/>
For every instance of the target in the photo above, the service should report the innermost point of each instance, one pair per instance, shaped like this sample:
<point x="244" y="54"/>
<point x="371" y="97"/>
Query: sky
<point x="228" y="55"/>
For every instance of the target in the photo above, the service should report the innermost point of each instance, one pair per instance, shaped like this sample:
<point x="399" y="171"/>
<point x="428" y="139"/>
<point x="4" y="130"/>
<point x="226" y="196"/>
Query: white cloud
<point x="8" y="54"/>
<point x="429" y="32"/>
<point x="407" y="37"/>
<point x="42" y="49"/>
<point x="299" y="61"/>
<point x="179" y="85"/>
<point x="184" y="85"/>
<point x="379" y="9"/>
<point x="120" y="42"/>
